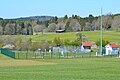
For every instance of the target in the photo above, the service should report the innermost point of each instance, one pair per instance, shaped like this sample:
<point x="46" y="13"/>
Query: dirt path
<point x="23" y="63"/>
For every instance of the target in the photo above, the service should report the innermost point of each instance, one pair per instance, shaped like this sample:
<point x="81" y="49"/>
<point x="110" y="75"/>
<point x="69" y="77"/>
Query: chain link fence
<point x="65" y="52"/>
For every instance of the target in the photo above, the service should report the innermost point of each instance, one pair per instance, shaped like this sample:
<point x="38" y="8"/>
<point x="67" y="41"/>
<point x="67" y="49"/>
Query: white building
<point x="86" y="46"/>
<point x="111" y="49"/>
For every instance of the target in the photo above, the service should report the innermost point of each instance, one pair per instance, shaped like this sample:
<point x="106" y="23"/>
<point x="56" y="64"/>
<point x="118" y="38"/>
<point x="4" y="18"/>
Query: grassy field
<point x="111" y="36"/>
<point x="61" y="69"/>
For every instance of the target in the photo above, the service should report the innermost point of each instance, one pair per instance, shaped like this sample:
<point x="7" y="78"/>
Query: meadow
<point x="102" y="68"/>
<point x="111" y="36"/>
<point x="86" y="68"/>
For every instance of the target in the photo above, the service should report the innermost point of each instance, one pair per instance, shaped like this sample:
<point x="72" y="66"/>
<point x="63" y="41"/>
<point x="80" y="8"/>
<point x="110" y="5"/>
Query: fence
<point x="52" y="55"/>
<point x="56" y="53"/>
<point x="8" y="53"/>
<point x="49" y="55"/>
<point x="0" y="50"/>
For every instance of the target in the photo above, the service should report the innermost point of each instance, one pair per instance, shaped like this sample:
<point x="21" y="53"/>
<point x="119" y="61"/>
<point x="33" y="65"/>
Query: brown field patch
<point x="23" y="63"/>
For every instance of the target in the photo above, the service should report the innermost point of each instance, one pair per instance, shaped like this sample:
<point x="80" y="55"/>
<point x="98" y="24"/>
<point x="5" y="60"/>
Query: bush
<point x="104" y="43"/>
<point x="58" y="42"/>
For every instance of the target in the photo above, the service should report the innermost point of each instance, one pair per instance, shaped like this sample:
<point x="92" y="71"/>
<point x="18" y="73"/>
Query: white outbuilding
<point x="86" y="46"/>
<point x="111" y="49"/>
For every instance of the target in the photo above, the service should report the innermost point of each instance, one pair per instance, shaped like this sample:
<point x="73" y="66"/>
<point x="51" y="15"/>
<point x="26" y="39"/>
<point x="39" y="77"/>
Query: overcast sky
<point x="25" y="8"/>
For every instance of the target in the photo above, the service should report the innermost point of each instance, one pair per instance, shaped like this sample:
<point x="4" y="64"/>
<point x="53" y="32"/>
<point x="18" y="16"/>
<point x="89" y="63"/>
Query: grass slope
<point x="111" y="36"/>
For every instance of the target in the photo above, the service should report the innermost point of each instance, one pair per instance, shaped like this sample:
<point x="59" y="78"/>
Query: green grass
<point x="66" y="69"/>
<point x="111" y="36"/>
<point x="4" y="57"/>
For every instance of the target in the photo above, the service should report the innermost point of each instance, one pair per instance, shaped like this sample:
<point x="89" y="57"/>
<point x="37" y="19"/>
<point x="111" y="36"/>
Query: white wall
<point x="108" y="50"/>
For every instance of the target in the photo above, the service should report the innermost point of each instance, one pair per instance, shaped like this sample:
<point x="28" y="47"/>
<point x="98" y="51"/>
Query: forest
<point x="74" y="23"/>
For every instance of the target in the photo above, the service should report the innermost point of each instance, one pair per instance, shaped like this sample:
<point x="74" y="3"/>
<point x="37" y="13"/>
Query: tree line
<point x="70" y="24"/>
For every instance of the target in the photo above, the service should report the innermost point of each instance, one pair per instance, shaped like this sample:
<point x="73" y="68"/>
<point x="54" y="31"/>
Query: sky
<point x="26" y="8"/>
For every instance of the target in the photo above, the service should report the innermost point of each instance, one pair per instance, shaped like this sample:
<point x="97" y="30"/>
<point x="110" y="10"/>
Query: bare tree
<point x="9" y="29"/>
<point x="30" y="30"/>
<point x="60" y="25"/>
<point x="9" y="40"/>
<point x="75" y="25"/>
<point x="18" y="29"/>
<point x="95" y="23"/>
<point x="52" y="27"/>
<point x="116" y="23"/>
<point x="1" y="30"/>
<point x="87" y="25"/>
<point x="24" y="31"/>
<point x="106" y="22"/>
<point x="1" y="41"/>
<point x="26" y="44"/>
<point x="39" y="28"/>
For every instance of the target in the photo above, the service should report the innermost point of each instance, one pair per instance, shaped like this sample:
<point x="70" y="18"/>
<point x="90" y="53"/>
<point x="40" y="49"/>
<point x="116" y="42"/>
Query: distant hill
<point x="1" y="18"/>
<point x="40" y="18"/>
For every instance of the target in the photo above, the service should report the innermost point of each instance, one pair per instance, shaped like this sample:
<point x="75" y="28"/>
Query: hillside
<point x="1" y="18"/>
<point x="48" y="39"/>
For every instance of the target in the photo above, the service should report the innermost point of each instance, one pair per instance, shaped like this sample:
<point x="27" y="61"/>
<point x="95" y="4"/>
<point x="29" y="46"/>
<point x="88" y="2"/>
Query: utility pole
<point x="101" y="33"/>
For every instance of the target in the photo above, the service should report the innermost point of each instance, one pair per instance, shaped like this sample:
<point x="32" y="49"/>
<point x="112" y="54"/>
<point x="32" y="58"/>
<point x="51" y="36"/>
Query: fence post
<point x="27" y="54"/>
<point x="43" y="55"/>
<point x="111" y="56"/>
<point x="59" y="55"/>
<point x="14" y="56"/>
<point x="0" y="50"/>
<point x="67" y="55"/>
<point x="74" y="55"/>
<point x="51" y="55"/>
<point x="34" y="53"/>
<point x="90" y="54"/>
<point x="18" y="54"/>
<point x="82" y="54"/>
<point x="45" y="52"/>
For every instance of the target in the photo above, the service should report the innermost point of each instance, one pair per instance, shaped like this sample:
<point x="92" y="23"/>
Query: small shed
<point x="111" y="49"/>
<point x="60" y="31"/>
<point x="86" y="46"/>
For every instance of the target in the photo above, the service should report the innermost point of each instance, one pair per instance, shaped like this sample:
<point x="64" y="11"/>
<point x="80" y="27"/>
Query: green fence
<point x="31" y="54"/>
<point x="22" y="54"/>
<point x="0" y="50"/>
<point x="7" y="53"/>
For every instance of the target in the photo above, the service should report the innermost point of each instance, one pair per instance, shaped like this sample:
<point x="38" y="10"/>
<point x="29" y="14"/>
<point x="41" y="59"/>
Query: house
<point x="86" y="46"/>
<point x="111" y="49"/>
